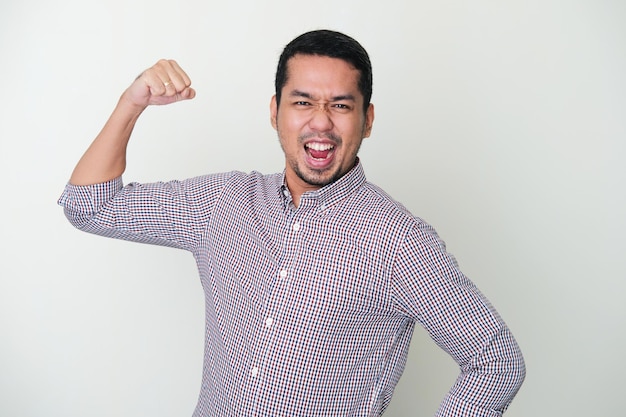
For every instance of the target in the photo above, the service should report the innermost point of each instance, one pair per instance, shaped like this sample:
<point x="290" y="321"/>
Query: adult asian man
<point x="314" y="278"/>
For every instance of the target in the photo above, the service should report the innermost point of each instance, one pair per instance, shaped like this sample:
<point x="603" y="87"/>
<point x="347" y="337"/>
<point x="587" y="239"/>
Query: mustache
<point x="327" y="135"/>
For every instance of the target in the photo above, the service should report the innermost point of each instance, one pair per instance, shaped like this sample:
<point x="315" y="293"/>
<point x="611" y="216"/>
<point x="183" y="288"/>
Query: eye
<point x="302" y="103"/>
<point x="341" y="107"/>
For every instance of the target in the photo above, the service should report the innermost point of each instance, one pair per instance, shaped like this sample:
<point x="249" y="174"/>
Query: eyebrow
<point x="343" y="97"/>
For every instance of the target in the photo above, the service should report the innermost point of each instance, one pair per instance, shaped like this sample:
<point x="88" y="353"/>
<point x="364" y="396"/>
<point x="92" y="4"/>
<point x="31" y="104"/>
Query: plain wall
<point x="503" y="124"/>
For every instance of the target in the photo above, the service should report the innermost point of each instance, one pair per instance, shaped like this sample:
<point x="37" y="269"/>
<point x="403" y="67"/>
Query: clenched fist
<point x="163" y="83"/>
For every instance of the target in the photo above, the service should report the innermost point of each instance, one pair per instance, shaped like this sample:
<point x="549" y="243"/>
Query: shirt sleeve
<point x="168" y="214"/>
<point x="429" y="287"/>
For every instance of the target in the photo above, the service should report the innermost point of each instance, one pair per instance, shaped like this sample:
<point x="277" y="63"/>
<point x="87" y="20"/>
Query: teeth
<point x="319" y="146"/>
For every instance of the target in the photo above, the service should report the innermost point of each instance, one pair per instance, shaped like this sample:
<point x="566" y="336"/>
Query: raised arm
<point x="105" y="159"/>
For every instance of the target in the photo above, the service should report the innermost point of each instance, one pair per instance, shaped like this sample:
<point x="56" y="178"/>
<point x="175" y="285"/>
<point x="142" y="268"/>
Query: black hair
<point x="331" y="44"/>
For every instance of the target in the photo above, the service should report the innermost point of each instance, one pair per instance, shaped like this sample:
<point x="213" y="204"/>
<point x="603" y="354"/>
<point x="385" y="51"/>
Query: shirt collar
<point x="332" y="193"/>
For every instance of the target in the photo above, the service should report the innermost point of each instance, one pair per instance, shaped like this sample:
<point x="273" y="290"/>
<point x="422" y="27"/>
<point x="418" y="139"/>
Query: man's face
<point x="320" y="121"/>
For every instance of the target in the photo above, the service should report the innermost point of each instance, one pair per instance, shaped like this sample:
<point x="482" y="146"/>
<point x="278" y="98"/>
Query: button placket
<point x="270" y="325"/>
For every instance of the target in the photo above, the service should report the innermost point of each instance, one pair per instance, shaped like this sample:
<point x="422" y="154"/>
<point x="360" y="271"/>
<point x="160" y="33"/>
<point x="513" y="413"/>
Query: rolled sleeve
<point x="82" y="202"/>
<point x="173" y="213"/>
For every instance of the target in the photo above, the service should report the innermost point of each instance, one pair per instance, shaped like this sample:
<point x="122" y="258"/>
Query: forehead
<point x="321" y="73"/>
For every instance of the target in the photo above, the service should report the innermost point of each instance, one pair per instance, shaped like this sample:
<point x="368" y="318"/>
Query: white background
<point x="503" y="124"/>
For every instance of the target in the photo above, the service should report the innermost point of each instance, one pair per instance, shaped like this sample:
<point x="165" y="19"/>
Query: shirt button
<point x="283" y="273"/>
<point x="296" y="226"/>
<point x="254" y="372"/>
<point x="269" y="321"/>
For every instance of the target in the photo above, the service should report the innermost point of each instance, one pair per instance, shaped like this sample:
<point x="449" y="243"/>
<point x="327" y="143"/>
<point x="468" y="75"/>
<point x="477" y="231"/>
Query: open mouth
<point x="319" y="151"/>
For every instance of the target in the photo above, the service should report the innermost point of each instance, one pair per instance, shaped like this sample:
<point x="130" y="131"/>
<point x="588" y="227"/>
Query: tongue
<point x="319" y="154"/>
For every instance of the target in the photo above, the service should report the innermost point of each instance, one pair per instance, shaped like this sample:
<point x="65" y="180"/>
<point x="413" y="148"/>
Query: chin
<point x="319" y="179"/>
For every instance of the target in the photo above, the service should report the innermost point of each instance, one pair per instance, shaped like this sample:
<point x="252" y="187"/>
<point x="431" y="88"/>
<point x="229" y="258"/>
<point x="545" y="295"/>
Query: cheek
<point x="297" y="121"/>
<point x="288" y="139"/>
<point x="286" y="123"/>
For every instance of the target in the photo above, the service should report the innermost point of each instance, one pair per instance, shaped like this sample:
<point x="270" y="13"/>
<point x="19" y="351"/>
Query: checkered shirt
<point x="310" y="310"/>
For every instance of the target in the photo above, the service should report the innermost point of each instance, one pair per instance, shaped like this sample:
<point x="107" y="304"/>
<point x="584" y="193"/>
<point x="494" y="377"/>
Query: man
<point x="314" y="278"/>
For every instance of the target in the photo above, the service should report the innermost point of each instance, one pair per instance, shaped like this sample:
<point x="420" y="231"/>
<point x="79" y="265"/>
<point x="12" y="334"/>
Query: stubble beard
<point x="316" y="178"/>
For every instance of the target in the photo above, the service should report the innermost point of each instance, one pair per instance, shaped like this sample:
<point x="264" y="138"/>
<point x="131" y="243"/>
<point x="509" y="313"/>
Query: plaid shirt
<point x="310" y="310"/>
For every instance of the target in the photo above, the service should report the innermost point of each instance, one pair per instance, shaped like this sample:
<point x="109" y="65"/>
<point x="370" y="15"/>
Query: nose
<point x="320" y="118"/>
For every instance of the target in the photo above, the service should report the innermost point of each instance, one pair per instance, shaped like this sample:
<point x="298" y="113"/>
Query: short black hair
<point x="331" y="44"/>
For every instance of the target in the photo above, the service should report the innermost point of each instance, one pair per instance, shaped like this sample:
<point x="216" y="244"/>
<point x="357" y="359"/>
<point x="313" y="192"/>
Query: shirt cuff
<point x="87" y="199"/>
<point x="456" y="407"/>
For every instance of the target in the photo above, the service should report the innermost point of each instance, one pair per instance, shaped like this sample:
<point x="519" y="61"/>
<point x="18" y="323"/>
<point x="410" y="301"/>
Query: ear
<point x="273" y="112"/>
<point x="369" y="121"/>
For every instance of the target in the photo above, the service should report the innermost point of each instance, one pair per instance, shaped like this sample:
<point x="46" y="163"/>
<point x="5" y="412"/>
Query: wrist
<point x="130" y="106"/>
